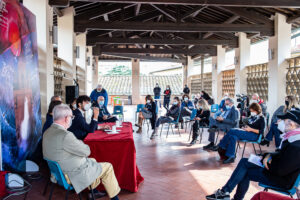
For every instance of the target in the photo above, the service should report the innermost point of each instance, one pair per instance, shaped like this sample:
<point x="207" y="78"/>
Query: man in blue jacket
<point x="79" y="126"/>
<point x="225" y="121"/>
<point x="104" y="115"/>
<point x="99" y="91"/>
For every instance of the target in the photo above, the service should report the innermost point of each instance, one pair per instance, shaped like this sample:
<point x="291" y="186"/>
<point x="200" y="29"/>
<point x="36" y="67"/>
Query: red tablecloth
<point x="119" y="150"/>
<point x="269" y="196"/>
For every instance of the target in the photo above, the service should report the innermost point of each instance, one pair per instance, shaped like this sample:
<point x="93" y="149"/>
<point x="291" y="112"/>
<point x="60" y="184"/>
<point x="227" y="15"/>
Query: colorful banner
<point x="20" y="106"/>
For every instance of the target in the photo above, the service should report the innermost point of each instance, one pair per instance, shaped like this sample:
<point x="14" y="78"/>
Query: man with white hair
<point x="72" y="155"/>
<point x="256" y="99"/>
<point x="99" y="91"/>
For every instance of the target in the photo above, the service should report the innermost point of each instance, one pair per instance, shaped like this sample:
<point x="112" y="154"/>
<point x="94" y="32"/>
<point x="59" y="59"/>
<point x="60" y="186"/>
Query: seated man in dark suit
<point x="225" y="121"/>
<point x="104" y="115"/>
<point x="79" y="126"/>
<point x="279" y="169"/>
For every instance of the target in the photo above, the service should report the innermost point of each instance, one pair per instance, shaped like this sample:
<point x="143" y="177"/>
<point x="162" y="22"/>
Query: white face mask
<point x="199" y="107"/>
<point x="74" y="106"/>
<point x="175" y="102"/>
<point x="186" y="99"/>
<point x="281" y="126"/>
<point x="87" y="106"/>
<point x="148" y="101"/>
<point x="253" y="114"/>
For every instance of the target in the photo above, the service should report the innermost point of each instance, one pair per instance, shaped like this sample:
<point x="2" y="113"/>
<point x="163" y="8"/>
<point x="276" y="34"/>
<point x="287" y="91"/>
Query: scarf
<point x="289" y="134"/>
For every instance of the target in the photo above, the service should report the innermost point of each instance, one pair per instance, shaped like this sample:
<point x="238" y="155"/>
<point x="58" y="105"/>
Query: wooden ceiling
<point x="170" y="30"/>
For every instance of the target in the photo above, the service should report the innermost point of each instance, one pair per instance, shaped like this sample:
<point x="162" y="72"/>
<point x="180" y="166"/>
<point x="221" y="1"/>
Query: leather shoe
<point x="229" y="160"/>
<point x="97" y="195"/>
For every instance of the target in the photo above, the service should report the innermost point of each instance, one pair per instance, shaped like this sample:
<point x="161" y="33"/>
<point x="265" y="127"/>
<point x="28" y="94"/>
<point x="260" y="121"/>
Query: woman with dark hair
<point x="186" y="106"/>
<point x="206" y="96"/>
<point x="49" y="116"/>
<point x="148" y="112"/>
<point x="73" y="105"/>
<point x="290" y="104"/>
<point x="172" y="115"/>
<point x="167" y="97"/>
<point x="254" y="126"/>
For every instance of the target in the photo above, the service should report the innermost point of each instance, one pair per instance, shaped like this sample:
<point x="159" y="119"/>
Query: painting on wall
<point x="20" y="106"/>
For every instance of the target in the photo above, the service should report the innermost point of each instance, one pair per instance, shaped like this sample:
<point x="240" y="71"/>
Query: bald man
<point x="96" y="93"/>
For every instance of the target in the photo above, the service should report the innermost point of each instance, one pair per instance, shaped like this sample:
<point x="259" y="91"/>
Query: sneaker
<point x="219" y="195"/>
<point x="229" y="160"/>
<point x="207" y="147"/>
<point x="193" y="142"/>
<point x="214" y="148"/>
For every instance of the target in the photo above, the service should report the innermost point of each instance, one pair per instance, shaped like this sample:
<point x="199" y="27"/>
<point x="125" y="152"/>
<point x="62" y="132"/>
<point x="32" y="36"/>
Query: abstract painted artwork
<point x="20" y="111"/>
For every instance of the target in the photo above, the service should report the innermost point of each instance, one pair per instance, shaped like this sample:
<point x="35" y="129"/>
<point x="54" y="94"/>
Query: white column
<point x="89" y="71"/>
<point x="280" y="44"/>
<point x="95" y="68"/>
<point x="66" y="39"/>
<point x="44" y="22"/>
<point x="82" y="60"/>
<point x="184" y="74"/>
<point x="242" y="54"/>
<point x="189" y="68"/>
<point x="135" y="81"/>
<point x="218" y="63"/>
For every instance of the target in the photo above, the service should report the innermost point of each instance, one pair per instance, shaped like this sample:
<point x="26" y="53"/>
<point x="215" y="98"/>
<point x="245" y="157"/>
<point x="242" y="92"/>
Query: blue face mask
<point x="175" y="102"/>
<point x="228" y="107"/>
<point x="101" y="103"/>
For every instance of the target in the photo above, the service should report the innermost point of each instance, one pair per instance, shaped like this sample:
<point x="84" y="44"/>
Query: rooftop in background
<point x="121" y="85"/>
<point x="171" y="30"/>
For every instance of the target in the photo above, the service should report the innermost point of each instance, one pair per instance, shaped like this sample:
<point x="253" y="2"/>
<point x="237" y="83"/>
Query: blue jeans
<point x="274" y="132"/>
<point x="162" y="120"/>
<point x="222" y="126"/>
<point x="241" y="177"/>
<point x="155" y="98"/>
<point x="228" y="142"/>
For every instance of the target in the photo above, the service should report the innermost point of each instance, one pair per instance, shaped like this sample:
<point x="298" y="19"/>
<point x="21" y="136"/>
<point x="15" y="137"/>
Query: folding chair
<point x="190" y="119"/>
<point x="176" y="122"/>
<point x="289" y="192"/>
<point x="61" y="180"/>
<point x="258" y="141"/>
<point x="139" y="107"/>
<point x="118" y="110"/>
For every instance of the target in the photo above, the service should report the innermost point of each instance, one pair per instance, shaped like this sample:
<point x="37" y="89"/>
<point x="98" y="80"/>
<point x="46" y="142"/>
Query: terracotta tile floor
<point x="171" y="170"/>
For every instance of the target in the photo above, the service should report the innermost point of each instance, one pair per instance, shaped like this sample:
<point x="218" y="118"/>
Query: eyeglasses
<point x="72" y="116"/>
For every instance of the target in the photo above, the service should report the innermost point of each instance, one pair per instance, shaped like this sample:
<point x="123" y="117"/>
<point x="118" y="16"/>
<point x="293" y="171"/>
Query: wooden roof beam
<point x="83" y="25"/>
<point x="232" y="3"/>
<point x="211" y="50"/>
<point x="105" y="40"/>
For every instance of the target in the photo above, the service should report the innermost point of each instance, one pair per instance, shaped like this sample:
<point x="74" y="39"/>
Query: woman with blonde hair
<point x="290" y="105"/>
<point x="201" y="119"/>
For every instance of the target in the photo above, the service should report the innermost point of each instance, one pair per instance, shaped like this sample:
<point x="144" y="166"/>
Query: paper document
<point x="255" y="160"/>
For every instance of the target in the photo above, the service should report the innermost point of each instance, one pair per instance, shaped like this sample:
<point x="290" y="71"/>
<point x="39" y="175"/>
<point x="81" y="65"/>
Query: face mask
<point x="148" y="101"/>
<point x="281" y="126"/>
<point x="186" y="99"/>
<point x="74" y="106"/>
<point x="167" y="88"/>
<point x="99" y="90"/>
<point x="228" y="107"/>
<point x="253" y="114"/>
<point x="175" y="102"/>
<point x="225" y="97"/>
<point x="101" y="103"/>
<point x="87" y="107"/>
<point x="287" y="103"/>
<point x="199" y="107"/>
